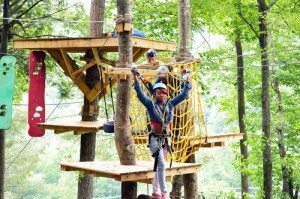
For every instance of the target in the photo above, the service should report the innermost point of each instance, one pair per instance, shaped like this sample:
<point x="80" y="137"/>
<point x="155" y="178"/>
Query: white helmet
<point x="160" y="85"/>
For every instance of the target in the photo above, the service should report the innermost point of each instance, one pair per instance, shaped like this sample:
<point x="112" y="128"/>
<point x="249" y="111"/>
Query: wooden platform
<point x="93" y="52"/>
<point x="208" y="141"/>
<point x="109" y="44"/>
<point x="141" y="172"/>
<point x="79" y="127"/>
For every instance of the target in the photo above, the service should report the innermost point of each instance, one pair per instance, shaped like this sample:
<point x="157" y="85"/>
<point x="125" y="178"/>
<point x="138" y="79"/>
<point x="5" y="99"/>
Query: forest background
<point x="32" y="164"/>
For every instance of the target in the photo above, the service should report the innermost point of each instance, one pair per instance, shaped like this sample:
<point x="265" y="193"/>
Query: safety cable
<point x="111" y="96"/>
<point x="103" y="89"/>
<point x="32" y="137"/>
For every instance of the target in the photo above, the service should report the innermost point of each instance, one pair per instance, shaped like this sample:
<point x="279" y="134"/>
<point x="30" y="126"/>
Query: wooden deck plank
<point x="142" y="171"/>
<point x="79" y="127"/>
<point x="81" y="44"/>
<point x="223" y="137"/>
<point x="209" y="141"/>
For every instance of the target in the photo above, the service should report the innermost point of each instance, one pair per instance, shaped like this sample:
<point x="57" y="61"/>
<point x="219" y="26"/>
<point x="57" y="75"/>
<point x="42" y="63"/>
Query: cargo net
<point x="188" y="125"/>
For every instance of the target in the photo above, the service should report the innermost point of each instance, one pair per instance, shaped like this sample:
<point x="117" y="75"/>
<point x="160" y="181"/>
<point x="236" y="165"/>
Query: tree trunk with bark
<point x="190" y="182"/>
<point x="4" y="44"/>
<point x="279" y="128"/>
<point x="123" y="137"/>
<point x="177" y="183"/>
<point x="184" y="22"/>
<point x="265" y="98"/>
<point x="88" y="140"/>
<point x="241" y="113"/>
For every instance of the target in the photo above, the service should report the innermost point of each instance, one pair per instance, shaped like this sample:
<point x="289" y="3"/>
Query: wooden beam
<point x="212" y="144"/>
<point x="213" y="140"/>
<point x="155" y="44"/>
<point x="68" y="63"/>
<point x="76" y="126"/>
<point x="96" y="56"/>
<point x="127" y="71"/>
<point x="84" y="68"/>
<point x="137" y="53"/>
<point x="223" y="137"/>
<point x="152" y="66"/>
<point x="109" y="44"/>
<point x="79" y="79"/>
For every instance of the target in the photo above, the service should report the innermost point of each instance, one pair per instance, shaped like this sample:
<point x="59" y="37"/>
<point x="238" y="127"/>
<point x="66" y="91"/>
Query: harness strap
<point x="155" y="155"/>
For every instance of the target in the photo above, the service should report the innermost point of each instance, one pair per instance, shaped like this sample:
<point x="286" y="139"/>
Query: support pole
<point x="123" y="138"/>
<point x="88" y="140"/>
<point x="184" y="22"/>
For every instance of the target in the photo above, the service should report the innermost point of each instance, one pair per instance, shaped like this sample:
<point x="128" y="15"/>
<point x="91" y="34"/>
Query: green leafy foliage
<point x="35" y="172"/>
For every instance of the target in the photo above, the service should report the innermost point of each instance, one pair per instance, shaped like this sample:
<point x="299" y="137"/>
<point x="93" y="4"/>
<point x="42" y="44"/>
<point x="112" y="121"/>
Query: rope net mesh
<point x="188" y="125"/>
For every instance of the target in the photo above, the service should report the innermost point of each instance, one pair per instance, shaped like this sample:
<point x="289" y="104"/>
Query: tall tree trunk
<point x="190" y="182"/>
<point x="296" y="192"/>
<point x="184" y="22"/>
<point x="88" y="140"/>
<point x="265" y="98"/>
<point x="177" y="183"/>
<point x="123" y="138"/>
<point x="279" y="128"/>
<point x="97" y="17"/>
<point x="241" y="113"/>
<point x="4" y="44"/>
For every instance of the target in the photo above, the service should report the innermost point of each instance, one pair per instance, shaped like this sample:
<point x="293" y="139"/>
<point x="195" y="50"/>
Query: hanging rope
<point x="111" y="96"/>
<point x="102" y="85"/>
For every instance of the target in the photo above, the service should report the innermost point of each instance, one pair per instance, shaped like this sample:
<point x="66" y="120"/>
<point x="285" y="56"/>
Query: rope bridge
<point x="188" y="125"/>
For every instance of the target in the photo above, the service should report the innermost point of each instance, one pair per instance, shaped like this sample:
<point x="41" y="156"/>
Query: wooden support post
<point x="88" y="140"/>
<point x="79" y="79"/>
<point x="68" y="63"/>
<point x="96" y="56"/>
<point x="85" y="67"/>
<point x="137" y="53"/>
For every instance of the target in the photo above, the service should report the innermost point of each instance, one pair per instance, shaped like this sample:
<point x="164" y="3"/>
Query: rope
<point x="111" y="96"/>
<point x="188" y="122"/>
<point x="102" y="85"/>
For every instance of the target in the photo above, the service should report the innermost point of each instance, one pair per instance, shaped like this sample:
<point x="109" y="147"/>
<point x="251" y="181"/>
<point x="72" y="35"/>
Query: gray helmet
<point x="151" y="53"/>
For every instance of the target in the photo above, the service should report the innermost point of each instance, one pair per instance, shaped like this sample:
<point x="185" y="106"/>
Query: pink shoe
<point x="165" y="195"/>
<point x="156" y="196"/>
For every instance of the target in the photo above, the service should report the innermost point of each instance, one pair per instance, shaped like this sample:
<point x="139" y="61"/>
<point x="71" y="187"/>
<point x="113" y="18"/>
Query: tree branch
<point x="49" y="15"/>
<point x="13" y="22"/>
<point x="205" y="40"/>
<point x="14" y="3"/>
<point x="245" y="20"/>
<point x="26" y="11"/>
<point x="17" y="8"/>
<point x="38" y="36"/>
<point x="272" y="4"/>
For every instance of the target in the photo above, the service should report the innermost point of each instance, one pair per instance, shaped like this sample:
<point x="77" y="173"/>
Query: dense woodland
<point x="230" y="38"/>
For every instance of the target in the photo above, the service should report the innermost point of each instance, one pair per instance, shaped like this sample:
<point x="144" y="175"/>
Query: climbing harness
<point x="161" y="135"/>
